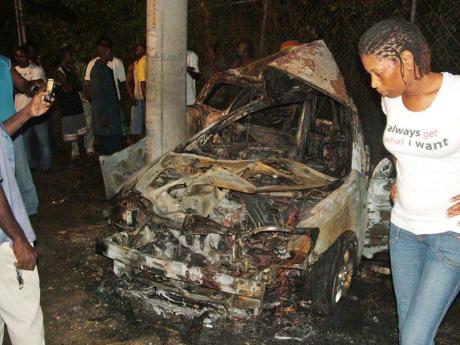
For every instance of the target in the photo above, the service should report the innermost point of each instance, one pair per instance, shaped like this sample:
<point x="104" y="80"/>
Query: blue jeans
<point x="24" y="176"/>
<point x="426" y="279"/>
<point x="44" y="150"/>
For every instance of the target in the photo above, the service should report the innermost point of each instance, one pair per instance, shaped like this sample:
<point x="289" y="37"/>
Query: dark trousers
<point x="108" y="144"/>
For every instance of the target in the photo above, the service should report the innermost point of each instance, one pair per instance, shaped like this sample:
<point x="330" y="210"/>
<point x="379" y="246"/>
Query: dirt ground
<point x="79" y="310"/>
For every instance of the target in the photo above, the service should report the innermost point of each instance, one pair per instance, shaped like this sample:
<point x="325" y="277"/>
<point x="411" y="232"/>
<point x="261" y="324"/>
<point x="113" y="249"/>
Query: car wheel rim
<point x="344" y="276"/>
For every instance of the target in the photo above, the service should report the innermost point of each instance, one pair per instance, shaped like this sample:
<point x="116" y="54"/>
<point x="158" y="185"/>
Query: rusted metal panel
<point x="314" y="64"/>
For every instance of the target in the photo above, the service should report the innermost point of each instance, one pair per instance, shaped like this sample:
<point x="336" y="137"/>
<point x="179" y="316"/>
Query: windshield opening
<point x="222" y="96"/>
<point x="261" y="134"/>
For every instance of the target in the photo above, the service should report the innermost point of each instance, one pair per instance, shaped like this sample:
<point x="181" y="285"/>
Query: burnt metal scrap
<point x="272" y="193"/>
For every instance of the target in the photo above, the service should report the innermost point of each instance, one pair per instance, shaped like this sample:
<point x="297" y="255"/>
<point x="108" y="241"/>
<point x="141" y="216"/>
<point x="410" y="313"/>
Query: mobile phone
<point x="49" y="90"/>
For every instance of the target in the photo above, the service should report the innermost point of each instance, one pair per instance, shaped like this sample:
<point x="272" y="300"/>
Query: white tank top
<point x="426" y="145"/>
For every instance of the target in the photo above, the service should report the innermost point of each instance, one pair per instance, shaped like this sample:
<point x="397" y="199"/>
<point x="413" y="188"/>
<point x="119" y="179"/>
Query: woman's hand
<point x="394" y="192"/>
<point x="455" y="209"/>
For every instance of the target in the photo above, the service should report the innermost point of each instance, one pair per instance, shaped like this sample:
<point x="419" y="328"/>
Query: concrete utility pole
<point x="166" y="75"/>
<point x="20" y="25"/>
<point x="413" y="11"/>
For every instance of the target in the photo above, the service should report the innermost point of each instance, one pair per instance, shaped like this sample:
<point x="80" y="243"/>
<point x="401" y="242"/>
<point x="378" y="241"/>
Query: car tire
<point x="330" y="278"/>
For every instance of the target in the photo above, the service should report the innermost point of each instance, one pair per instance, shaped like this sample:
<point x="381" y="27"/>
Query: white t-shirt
<point x="118" y="71"/>
<point x="426" y="145"/>
<point x="192" y="61"/>
<point x="31" y="72"/>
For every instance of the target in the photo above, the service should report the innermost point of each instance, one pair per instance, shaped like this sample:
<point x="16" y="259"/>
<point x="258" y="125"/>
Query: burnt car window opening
<point x="328" y="142"/>
<point x="264" y="133"/>
<point x="222" y="96"/>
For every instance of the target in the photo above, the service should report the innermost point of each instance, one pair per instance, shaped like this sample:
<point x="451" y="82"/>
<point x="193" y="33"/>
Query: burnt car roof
<point x="314" y="65"/>
<point x="311" y="63"/>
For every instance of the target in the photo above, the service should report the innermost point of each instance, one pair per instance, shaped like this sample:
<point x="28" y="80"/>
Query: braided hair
<point x="390" y="37"/>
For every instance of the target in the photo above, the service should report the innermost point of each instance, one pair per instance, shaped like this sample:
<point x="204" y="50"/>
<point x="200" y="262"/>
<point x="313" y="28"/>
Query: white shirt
<point x="192" y="61"/>
<point x="427" y="147"/>
<point x="31" y="72"/>
<point x="118" y="71"/>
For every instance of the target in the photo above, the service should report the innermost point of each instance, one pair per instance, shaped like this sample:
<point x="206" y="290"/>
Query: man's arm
<point x="36" y="107"/>
<point x="88" y="90"/>
<point x="192" y="65"/>
<point x="130" y="83"/>
<point x="143" y="76"/>
<point x="144" y="89"/>
<point x="26" y="255"/>
<point x="122" y="88"/>
<point x="60" y="78"/>
<point x="87" y="86"/>
<point x="195" y="75"/>
<point x="23" y="85"/>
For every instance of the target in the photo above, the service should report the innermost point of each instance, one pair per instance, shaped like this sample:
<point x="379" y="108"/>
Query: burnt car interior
<point x="328" y="142"/>
<point x="313" y="129"/>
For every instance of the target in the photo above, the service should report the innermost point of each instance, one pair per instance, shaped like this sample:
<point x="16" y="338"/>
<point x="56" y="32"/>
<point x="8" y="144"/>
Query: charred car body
<point x="273" y="192"/>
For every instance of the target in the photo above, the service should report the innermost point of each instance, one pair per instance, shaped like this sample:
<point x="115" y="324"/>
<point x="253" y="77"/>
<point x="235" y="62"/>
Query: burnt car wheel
<point x="331" y="277"/>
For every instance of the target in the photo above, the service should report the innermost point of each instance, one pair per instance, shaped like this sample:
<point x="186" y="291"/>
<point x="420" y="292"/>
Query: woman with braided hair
<point x="423" y="134"/>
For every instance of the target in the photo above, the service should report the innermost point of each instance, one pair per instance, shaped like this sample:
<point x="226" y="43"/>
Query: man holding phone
<point x="39" y="127"/>
<point x="7" y="109"/>
<point x="19" y="282"/>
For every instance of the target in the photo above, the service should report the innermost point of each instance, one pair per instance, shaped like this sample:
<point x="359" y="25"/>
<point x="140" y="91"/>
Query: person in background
<point x="136" y="89"/>
<point x="37" y="126"/>
<point x="288" y="45"/>
<point x="105" y="104"/>
<point x="130" y="85"/>
<point x="193" y="73"/>
<point x="118" y="71"/>
<point x="34" y="58"/>
<point x="216" y="63"/>
<point x="7" y="110"/>
<point x="67" y="91"/>
<point x="32" y="53"/>
<point x="425" y="221"/>
<point x="89" y="137"/>
<point x="243" y="53"/>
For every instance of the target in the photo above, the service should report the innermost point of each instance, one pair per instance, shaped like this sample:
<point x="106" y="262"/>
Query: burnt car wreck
<point x="274" y="191"/>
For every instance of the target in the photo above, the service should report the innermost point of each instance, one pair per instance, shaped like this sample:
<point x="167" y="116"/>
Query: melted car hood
<point x="291" y="175"/>
<point x="178" y="182"/>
